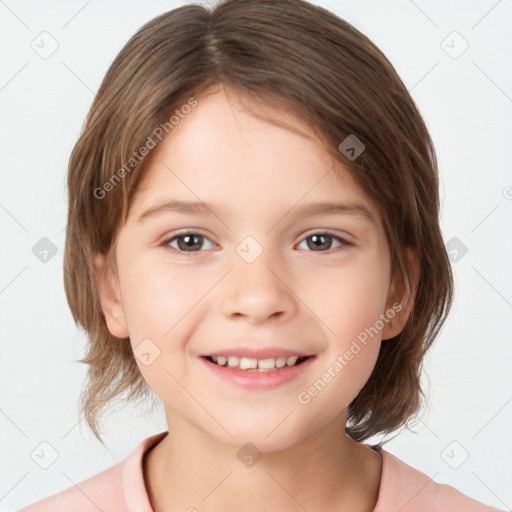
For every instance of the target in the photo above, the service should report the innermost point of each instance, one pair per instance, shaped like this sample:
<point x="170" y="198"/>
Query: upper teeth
<point x="246" y="363"/>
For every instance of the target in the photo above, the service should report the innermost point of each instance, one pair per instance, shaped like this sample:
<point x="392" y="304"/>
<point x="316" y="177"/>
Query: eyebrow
<point x="200" y="208"/>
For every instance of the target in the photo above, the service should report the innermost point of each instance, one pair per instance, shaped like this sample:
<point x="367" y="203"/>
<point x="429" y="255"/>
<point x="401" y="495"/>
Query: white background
<point x="467" y="105"/>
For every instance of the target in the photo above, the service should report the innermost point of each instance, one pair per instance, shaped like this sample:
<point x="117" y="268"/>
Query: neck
<point x="189" y="470"/>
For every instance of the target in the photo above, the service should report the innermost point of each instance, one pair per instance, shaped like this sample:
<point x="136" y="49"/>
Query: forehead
<point x="236" y="150"/>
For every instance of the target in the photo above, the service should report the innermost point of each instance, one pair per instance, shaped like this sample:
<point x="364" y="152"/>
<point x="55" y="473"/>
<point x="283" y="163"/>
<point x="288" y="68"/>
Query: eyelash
<point x="166" y="242"/>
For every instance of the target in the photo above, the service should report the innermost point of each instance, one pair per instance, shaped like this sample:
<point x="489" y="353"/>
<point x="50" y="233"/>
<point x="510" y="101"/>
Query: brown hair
<point x="296" y="56"/>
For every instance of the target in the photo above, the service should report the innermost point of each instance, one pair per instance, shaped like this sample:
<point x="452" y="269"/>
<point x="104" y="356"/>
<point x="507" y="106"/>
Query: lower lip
<point x="259" y="380"/>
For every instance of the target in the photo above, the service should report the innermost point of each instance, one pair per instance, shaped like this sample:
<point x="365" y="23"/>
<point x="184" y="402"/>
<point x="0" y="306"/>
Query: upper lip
<point x="257" y="353"/>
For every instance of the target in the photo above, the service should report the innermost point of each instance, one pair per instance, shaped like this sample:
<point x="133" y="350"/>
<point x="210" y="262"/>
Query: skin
<point x="294" y="295"/>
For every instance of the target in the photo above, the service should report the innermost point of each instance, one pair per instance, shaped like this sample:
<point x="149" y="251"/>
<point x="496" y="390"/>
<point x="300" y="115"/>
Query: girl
<point x="253" y="236"/>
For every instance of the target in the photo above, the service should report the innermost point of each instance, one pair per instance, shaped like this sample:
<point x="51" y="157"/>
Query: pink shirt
<point x="121" y="488"/>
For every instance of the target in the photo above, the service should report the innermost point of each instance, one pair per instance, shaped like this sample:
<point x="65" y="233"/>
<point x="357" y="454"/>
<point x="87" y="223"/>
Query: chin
<point x="268" y="435"/>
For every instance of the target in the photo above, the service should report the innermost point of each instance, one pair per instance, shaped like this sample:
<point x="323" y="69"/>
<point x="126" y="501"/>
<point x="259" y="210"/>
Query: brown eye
<point x="322" y="242"/>
<point x="186" y="242"/>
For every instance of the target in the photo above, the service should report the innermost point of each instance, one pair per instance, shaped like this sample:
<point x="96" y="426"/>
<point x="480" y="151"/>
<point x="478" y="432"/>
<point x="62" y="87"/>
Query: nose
<point x="257" y="292"/>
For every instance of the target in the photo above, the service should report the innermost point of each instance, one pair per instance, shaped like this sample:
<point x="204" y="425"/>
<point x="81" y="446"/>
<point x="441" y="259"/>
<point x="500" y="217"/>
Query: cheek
<point x="350" y="315"/>
<point x="347" y="300"/>
<point x="163" y="305"/>
<point x="349" y="305"/>
<point x="156" y="306"/>
<point x="157" y="298"/>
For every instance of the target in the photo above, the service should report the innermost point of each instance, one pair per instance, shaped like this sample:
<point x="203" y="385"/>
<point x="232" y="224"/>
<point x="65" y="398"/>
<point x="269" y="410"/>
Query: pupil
<point x="188" y="244"/>
<point x="320" y="245"/>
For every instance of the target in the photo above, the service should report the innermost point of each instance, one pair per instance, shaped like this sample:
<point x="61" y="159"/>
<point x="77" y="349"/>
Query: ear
<point x="110" y="298"/>
<point x="399" y="300"/>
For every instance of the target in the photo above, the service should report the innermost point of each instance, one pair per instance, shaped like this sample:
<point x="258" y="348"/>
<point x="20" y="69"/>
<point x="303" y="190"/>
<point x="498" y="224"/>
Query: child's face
<point x="254" y="279"/>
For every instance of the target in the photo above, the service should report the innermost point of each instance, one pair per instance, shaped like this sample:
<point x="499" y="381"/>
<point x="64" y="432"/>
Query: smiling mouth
<point x="257" y="365"/>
